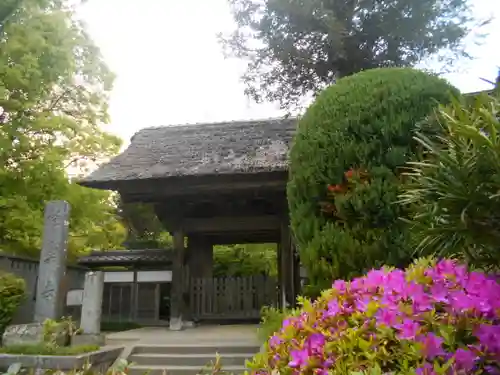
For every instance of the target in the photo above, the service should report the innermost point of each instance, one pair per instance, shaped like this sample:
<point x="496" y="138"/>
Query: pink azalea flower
<point x="333" y="308"/>
<point x="408" y="329"/>
<point x="432" y="345"/>
<point x="315" y="343"/>
<point x="362" y="303"/>
<point x="386" y="317"/>
<point x="300" y="358"/>
<point x="489" y="337"/>
<point x="339" y="285"/>
<point x="464" y="359"/>
<point x="426" y="369"/>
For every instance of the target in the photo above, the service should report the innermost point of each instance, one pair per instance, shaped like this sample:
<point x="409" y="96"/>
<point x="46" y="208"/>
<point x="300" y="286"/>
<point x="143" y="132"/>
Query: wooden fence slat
<point x="231" y="297"/>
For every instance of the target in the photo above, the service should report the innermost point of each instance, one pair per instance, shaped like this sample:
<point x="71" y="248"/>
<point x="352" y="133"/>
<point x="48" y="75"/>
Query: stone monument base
<point x="23" y="334"/>
<point x="29" y="334"/>
<point x="88" y="339"/>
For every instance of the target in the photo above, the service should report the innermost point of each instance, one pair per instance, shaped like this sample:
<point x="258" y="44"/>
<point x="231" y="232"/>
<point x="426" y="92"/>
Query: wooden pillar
<point x="200" y="256"/>
<point x="280" y="297"/>
<point x="177" y="287"/>
<point x="286" y="266"/>
<point x="294" y="273"/>
<point x="134" y="299"/>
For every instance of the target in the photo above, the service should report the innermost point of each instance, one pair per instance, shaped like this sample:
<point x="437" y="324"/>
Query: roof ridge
<point x="222" y="148"/>
<point x="212" y="124"/>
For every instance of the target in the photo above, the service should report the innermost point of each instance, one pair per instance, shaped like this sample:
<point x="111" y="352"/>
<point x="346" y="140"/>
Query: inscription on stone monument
<point x="52" y="261"/>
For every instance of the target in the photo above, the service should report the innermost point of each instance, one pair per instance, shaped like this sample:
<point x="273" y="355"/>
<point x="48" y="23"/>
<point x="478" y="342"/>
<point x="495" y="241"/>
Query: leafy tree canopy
<point x="245" y="260"/>
<point x="54" y="88"/>
<point x="297" y="47"/>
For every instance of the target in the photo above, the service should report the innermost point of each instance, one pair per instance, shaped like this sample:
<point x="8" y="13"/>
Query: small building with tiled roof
<point x="136" y="259"/>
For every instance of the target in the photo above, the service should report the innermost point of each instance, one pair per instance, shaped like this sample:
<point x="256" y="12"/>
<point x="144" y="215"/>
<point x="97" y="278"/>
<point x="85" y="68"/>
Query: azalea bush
<point x="432" y="318"/>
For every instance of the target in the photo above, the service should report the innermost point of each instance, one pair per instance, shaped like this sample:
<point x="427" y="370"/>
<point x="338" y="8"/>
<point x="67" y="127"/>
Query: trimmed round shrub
<point x="345" y="165"/>
<point x="433" y="318"/>
<point x="12" y="292"/>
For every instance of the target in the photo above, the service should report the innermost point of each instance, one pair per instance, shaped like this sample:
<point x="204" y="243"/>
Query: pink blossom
<point x="362" y="303"/>
<point x="339" y="285"/>
<point x="432" y="345"/>
<point x="333" y="308"/>
<point x="408" y="329"/>
<point x="489" y="337"/>
<point x="300" y="358"/>
<point x="387" y="317"/>
<point x="464" y="359"/>
<point x="426" y="369"/>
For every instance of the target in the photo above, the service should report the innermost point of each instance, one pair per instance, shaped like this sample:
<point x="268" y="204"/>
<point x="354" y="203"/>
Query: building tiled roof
<point x="124" y="257"/>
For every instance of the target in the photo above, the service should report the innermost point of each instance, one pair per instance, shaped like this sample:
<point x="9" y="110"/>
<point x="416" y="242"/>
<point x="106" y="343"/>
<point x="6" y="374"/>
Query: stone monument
<point x="52" y="261"/>
<point x="51" y="271"/>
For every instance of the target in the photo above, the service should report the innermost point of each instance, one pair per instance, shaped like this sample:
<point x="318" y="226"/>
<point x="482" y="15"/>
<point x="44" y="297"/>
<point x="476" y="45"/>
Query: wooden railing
<point x="231" y="297"/>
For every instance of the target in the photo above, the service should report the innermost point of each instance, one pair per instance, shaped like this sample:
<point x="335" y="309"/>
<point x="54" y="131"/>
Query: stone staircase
<point x="188" y="359"/>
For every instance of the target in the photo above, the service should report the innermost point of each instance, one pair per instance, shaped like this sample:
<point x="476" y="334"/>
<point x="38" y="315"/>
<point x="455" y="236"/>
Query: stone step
<point x="196" y="349"/>
<point x="181" y="370"/>
<point x="200" y="360"/>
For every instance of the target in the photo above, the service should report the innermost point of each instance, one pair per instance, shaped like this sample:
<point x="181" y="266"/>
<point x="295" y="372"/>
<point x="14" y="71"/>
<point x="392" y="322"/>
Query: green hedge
<point x="12" y="292"/>
<point x="345" y="166"/>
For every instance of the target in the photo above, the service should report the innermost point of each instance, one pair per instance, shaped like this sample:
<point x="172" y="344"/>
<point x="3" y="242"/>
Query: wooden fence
<point x="231" y="297"/>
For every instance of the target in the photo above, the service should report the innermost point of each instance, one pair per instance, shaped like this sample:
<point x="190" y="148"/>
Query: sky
<point x="170" y="68"/>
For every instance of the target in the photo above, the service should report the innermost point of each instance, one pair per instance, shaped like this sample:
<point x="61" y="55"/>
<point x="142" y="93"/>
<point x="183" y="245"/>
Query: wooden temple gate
<point x="212" y="184"/>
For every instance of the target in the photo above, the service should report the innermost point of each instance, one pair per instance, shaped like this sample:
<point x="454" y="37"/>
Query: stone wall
<point x="28" y="270"/>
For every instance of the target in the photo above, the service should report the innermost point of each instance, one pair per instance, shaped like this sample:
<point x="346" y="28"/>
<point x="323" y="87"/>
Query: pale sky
<point x="170" y="68"/>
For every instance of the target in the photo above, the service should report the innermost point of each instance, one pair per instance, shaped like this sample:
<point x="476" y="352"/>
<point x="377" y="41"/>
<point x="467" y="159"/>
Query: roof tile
<point x="202" y="149"/>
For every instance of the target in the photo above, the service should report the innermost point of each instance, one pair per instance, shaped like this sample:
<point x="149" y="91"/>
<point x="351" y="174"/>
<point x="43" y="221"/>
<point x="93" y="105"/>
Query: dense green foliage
<point x="12" y="292"/>
<point x="455" y="192"/>
<point x="245" y="260"/>
<point x="54" y="89"/>
<point x="297" y="47"/>
<point x="144" y="229"/>
<point x="345" y="167"/>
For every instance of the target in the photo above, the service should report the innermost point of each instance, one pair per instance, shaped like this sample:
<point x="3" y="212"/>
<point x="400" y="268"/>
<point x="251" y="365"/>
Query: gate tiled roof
<point x="200" y="149"/>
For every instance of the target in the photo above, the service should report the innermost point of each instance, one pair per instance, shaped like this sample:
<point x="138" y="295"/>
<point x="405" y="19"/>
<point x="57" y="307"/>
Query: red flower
<point x="335" y="188"/>
<point x="349" y="174"/>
